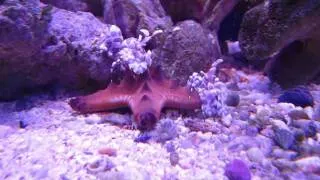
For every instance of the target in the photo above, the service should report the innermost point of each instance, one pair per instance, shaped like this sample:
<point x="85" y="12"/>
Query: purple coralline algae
<point x="237" y="170"/>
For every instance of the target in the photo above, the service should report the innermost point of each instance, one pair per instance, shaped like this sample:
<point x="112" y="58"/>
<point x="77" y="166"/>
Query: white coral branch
<point x="130" y="53"/>
<point x="212" y="93"/>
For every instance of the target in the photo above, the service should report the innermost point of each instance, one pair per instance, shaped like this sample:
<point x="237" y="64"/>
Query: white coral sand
<point x="59" y="144"/>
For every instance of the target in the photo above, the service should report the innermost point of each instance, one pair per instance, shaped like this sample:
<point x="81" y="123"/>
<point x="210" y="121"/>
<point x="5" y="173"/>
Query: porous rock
<point x="270" y="26"/>
<point x="298" y="114"/>
<point x="309" y="128"/>
<point x="186" y="48"/>
<point x="174" y="158"/>
<point x="289" y="29"/>
<point x="233" y="99"/>
<point x="284" y="138"/>
<point x="22" y="28"/>
<point x="71" y="5"/>
<point x="131" y="15"/>
<point x="41" y="46"/>
<point x="166" y="130"/>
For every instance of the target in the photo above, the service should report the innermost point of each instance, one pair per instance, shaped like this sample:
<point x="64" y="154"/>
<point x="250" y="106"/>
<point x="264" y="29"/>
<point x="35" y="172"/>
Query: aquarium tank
<point x="159" y="90"/>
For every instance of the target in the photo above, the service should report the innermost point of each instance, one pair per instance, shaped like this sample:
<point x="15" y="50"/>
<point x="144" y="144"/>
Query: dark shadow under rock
<point x="296" y="64"/>
<point x="216" y="11"/>
<point x="269" y="27"/>
<point x="230" y="26"/>
<point x="181" y="10"/>
<point x="288" y="32"/>
<point x="95" y="7"/>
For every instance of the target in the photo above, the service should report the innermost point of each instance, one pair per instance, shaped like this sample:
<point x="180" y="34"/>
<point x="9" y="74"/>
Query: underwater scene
<point x="159" y="90"/>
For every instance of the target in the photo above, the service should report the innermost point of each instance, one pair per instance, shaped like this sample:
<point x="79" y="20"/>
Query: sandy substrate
<point x="59" y="144"/>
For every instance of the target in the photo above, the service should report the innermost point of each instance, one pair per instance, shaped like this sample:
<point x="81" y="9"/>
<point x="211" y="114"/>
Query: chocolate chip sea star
<point x="146" y="95"/>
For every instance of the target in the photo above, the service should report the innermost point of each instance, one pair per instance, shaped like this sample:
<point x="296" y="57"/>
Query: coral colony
<point x="211" y="91"/>
<point x="130" y="53"/>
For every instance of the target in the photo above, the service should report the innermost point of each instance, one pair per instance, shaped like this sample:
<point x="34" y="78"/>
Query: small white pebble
<point x="279" y="124"/>
<point x="227" y="120"/>
<point x="309" y="111"/>
<point x="255" y="154"/>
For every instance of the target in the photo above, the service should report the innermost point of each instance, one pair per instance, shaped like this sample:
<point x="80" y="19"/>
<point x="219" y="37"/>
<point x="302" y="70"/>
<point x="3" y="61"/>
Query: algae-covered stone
<point x="269" y="27"/>
<point x="131" y="15"/>
<point x="42" y="46"/>
<point x="287" y="32"/>
<point x="186" y="48"/>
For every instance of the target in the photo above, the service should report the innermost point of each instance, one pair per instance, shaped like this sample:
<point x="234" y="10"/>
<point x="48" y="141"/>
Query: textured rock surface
<point x="274" y="25"/>
<point x="41" y="46"/>
<point x="269" y="27"/>
<point x="131" y="16"/>
<point x="22" y="28"/>
<point x="185" y="49"/>
<point x="71" y="5"/>
<point x="233" y="99"/>
<point x="284" y="138"/>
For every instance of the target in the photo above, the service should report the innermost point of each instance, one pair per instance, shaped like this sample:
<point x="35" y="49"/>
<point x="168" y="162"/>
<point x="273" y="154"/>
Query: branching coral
<point x="113" y="42"/>
<point x="129" y="53"/>
<point x="210" y="90"/>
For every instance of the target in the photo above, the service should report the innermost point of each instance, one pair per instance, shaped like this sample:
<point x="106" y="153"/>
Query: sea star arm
<point x="182" y="98"/>
<point x="111" y="98"/>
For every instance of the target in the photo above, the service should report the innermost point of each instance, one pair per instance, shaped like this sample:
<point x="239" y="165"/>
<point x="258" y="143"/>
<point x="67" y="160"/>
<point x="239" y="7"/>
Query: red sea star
<point x="145" y="95"/>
